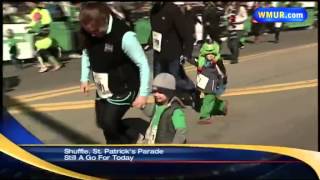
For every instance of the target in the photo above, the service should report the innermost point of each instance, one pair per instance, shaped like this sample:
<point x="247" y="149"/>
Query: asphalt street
<point x="272" y="96"/>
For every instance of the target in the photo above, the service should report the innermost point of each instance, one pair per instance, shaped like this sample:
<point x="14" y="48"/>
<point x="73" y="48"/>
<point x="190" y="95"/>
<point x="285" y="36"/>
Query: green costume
<point x="44" y="44"/>
<point x="40" y="21"/>
<point x="212" y="105"/>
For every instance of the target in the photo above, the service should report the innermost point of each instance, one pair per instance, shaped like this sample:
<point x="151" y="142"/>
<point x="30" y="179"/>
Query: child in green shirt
<point x="13" y="50"/>
<point x="211" y="80"/>
<point x="168" y="123"/>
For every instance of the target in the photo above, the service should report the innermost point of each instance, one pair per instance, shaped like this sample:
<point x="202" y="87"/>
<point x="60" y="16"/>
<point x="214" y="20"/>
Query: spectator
<point x="237" y="15"/>
<point x="277" y="29"/>
<point x="256" y="26"/>
<point x="8" y="10"/>
<point x="277" y="26"/>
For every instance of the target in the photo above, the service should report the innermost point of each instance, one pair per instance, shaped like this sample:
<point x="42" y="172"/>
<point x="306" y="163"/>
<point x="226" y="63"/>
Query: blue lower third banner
<point x="136" y="162"/>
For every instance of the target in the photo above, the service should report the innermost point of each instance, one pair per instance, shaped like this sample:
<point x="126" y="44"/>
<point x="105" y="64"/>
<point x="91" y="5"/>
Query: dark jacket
<point x="166" y="132"/>
<point x="212" y="21"/>
<point x="167" y="19"/>
<point x="106" y="56"/>
<point x="216" y="79"/>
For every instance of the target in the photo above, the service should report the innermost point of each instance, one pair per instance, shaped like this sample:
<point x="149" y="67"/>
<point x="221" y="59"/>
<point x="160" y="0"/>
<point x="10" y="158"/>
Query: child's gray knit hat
<point x="164" y="80"/>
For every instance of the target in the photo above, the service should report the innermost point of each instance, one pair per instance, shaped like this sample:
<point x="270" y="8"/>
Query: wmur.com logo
<point x="266" y="15"/>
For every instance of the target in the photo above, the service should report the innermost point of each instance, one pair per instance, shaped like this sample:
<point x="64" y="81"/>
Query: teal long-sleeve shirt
<point x="132" y="47"/>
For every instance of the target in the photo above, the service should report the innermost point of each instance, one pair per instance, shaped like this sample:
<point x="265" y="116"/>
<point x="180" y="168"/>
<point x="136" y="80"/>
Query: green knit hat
<point x="210" y="48"/>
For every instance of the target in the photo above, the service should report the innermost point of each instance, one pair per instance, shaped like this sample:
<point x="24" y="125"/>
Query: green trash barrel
<point x="142" y="28"/>
<point x="62" y="33"/>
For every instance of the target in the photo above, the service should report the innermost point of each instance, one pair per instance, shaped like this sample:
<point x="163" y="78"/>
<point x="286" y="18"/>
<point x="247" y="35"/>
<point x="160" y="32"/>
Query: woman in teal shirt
<point x="119" y="68"/>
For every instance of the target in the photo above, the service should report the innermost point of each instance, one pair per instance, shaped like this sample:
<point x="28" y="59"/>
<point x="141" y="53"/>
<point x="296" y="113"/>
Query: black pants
<point x="213" y="33"/>
<point x="51" y="51"/>
<point x="256" y="29"/>
<point x="185" y="88"/>
<point x="109" y="119"/>
<point x="183" y="82"/>
<point x="276" y="34"/>
<point x="17" y="63"/>
<point x="234" y="45"/>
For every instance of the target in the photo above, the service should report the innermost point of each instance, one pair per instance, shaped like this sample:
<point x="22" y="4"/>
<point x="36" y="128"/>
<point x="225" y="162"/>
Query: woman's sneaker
<point x="43" y="69"/>
<point x="57" y="68"/>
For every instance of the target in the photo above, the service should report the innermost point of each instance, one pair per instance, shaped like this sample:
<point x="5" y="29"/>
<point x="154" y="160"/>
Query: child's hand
<point x="213" y="62"/>
<point x="199" y="70"/>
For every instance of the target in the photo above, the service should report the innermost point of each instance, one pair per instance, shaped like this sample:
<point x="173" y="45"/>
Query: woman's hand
<point x="140" y="102"/>
<point x="84" y="87"/>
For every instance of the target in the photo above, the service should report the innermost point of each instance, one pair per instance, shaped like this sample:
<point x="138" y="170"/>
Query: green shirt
<point x="12" y="42"/>
<point x="178" y="117"/>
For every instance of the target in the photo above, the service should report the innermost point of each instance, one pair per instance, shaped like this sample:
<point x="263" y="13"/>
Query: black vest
<point x="166" y="130"/>
<point x="106" y="56"/>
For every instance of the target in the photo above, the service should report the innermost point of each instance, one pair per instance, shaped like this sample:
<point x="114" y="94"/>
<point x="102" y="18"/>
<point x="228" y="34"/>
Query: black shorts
<point x="45" y="53"/>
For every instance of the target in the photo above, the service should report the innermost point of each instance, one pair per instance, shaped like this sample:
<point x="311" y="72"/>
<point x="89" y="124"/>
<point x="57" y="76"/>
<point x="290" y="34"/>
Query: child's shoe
<point x="225" y="111"/>
<point x="205" y="121"/>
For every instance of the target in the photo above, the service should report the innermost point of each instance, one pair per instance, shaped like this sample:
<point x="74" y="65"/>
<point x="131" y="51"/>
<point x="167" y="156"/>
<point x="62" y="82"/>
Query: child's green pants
<point x="211" y="106"/>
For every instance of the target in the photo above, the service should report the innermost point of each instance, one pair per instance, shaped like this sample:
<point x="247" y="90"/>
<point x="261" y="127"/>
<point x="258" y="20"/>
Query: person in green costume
<point x="168" y="123"/>
<point x="44" y="44"/>
<point x="211" y="80"/>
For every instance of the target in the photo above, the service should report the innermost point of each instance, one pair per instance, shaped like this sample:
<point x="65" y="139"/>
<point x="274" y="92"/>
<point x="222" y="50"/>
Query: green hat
<point x="210" y="48"/>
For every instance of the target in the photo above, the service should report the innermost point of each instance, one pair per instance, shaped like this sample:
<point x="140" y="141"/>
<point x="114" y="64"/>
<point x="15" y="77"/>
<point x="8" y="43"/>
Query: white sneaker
<point x="47" y="64"/>
<point x="75" y="56"/>
<point x="43" y="69"/>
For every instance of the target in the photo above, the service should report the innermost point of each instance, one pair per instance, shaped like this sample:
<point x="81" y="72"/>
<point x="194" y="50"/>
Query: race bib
<point x="153" y="134"/>
<point x="101" y="81"/>
<point x="277" y="24"/>
<point x="156" y="41"/>
<point x="202" y="81"/>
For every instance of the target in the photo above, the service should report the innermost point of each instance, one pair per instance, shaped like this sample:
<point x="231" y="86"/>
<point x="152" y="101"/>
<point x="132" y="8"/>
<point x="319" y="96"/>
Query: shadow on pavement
<point x="52" y="124"/>
<point x="9" y="83"/>
<point x="272" y="41"/>
<point x="249" y="41"/>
